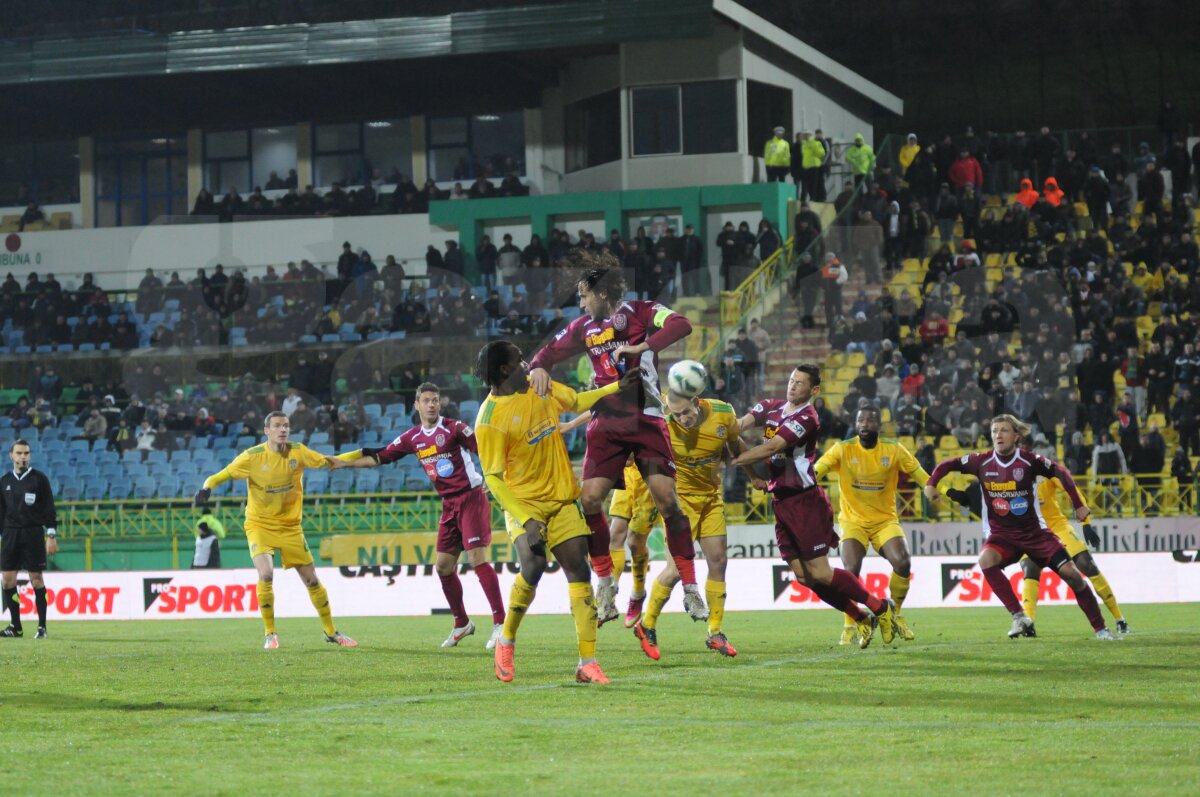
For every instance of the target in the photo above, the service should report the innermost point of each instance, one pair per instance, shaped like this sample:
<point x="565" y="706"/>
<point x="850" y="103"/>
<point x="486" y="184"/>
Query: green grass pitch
<point x="197" y="707"/>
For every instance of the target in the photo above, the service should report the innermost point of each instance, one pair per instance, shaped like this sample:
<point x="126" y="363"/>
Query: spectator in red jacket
<point x="913" y="384"/>
<point x="934" y="330"/>
<point x="965" y="171"/>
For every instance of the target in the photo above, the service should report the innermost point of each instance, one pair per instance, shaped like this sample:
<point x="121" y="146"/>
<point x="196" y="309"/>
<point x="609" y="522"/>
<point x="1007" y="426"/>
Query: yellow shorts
<point x="1066" y="535"/>
<point x="706" y="513"/>
<point x="564" y="521"/>
<point x="634" y="504"/>
<point x="291" y="544"/>
<point x="872" y="536"/>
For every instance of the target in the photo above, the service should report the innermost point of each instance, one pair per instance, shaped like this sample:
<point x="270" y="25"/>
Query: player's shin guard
<point x="1000" y="585"/>
<point x="681" y="547"/>
<point x="266" y="604"/>
<point x="618" y="561"/>
<point x="519" y="598"/>
<point x="39" y="600"/>
<point x="838" y="600"/>
<point x="849" y="585"/>
<point x="898" y="588"/>
<point x="641" y="563"/>
<point x="491" y="588"/>
<point x="583" y="609"/>
<point x="1029" y="596"/>
<point x="320" y="602"/>
<point x="659" y="595"/>
<point x="1087" y="601"/>
<point x="598" y="544"/>
<point x="714" y="593"/>
<point x="1100" y="584"/>
<point x="452" y="589"/>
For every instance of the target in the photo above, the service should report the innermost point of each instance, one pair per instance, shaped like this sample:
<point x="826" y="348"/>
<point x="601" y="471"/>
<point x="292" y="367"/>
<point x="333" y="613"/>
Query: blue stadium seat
<point x="353" y="337"/>
<point x="318" y="438"/>
<point x="316" y="481"/>
<point x="156" y="458"/>
<point x="182" y="455"/>
<point x="341" y="481"/>
<point x="399" y="334"/>
<point x="87" y="346"/>
<point x="379" y="335"/>
<point x="135" y="471"/>
<point x="96" y="490"/>
<point x="144" y="488"/>
<point x="308" y="339"/>
<point x="65" y="348"/>
<point x="198" y="443"/>
<point x="22" y="350"/>
<point x="324" y="448"/>
<point x="80" y="446"/>
<point x="391" y="482"/>
<point x="246" y="442"/>
<point x="71" y="490"/>
<point x="330" y="338"/>
<point x="171" y="305"/>
<point x="169" y="487"/>
<point x="395" y="408"/>
<point x="239" y="488"/>
<point x="204" y="455"/>
<point x="373" y="410"/>
<point x="468" y="409"/>
<point x="367" y="481"/>
<point x="370" y="438"/>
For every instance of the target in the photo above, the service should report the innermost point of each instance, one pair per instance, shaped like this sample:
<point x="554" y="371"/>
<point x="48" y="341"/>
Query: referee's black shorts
<point x="23" y="549"/>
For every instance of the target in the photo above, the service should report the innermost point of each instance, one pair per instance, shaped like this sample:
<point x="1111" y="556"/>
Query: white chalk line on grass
<point x="497" y="690"/>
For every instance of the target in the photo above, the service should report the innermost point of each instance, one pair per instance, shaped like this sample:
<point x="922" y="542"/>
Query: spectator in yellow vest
<point x="861" y="159"/>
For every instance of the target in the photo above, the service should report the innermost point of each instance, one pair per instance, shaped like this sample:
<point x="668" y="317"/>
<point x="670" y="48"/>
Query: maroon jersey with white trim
<point x="631" y="322"/>
<point x="1009" y="487"/>
<point x="440" y="451"/>
<point x="791" y="471"/>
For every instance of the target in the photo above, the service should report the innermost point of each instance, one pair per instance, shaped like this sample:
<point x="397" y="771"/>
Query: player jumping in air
<point x="441" y="445"/>
<point x="1008" y="476"/>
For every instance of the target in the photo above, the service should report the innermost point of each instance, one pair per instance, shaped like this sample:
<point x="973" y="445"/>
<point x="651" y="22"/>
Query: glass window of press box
<point x="685" y="119"/>
<point x="46" y="172"/>
<point x="481" y="145"/>
<point x="140" y="178"/>
<point x="593" y="131"/>
<point x="264" y="157"/>
<point x="355" y="153"/>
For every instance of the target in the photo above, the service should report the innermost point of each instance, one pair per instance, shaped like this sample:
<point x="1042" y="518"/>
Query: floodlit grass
<point x="196" y="707"/>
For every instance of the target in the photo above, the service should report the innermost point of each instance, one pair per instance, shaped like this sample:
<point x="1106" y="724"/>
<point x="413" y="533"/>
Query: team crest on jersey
<point x="1018" y="473"/>
<point x="720" y="431"/>
<point x="440" y="439"/>
<point x="619" y="322"/>
<point x="292" y="464"/>
<point x="885" y="461"/>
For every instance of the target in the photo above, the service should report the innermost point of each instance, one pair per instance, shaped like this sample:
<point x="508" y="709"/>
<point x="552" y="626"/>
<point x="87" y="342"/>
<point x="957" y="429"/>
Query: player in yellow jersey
<point x="868" y="468"/>
<point x="273" y="473"/>
<point x="704" y="433"/>
<point x="527" y="469"/>
<point x="1054" y="519"/>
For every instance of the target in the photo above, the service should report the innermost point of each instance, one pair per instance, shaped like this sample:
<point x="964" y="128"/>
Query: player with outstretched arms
<point x="527" y="469"/>
<point x="443" y="446"/>
<point x="617" y="334"/>
<point x="1012" y="523"/>
<point x="803" y="517"/>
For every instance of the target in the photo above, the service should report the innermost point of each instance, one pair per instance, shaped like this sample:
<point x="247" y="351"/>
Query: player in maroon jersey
<point x="441" y="446"/>
<point x="1012" y="521"/>
<point x="803" y="517"/>
<point x="617" y="334"/>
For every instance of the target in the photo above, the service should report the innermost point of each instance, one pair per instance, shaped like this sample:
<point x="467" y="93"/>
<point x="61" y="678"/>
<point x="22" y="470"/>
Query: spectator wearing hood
<point x="1026" y="195"/>
<point x="860" y="157"/>
<point x="908" y="153"/>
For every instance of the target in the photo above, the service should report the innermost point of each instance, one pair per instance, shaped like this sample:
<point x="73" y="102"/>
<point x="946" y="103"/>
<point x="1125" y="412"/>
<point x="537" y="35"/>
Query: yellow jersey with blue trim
<point x="699" y="451"/>
<point x="518" y="436"/>
<point x="274" y="483"/>
<point x="867" y="478"/>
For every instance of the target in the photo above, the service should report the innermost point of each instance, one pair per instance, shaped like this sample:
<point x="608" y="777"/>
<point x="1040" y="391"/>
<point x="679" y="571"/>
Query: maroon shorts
<point x="1040" y="545"/>
<point x="804" y="526"/>
<point x="611" y="439"/>
<point x="466" y="522"/>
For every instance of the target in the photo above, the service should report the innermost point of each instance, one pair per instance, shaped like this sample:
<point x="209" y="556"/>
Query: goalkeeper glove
<point x="202" y="496"/>
<point x="959" y="496"/>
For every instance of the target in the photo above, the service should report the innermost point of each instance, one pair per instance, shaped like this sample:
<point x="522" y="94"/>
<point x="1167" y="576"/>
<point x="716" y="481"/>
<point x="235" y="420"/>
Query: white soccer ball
<point x="687" y="378"/>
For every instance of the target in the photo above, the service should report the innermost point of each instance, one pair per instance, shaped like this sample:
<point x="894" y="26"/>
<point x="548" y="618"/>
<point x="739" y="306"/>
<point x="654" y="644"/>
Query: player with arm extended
<point x="526" y="467"/>
<point x="704" y="432"/>
<point x="1077" y="549"/>
<point x="617" y="334"/>
<point x="803" y="518"/>
<point x="868" y="468"/>
<point x="443" y="446"/>
<point x="274" y="479"/>
<point x="26" y="508"/>
<point x="1012" y="524"/>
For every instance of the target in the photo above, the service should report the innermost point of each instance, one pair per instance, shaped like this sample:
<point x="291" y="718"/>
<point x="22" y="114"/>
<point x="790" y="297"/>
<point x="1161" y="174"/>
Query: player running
<point x="1007" y="475"/>
<point x="702" y="432"/>
<point x="526" y="467"/>
<point x="1077" y="549"/>
<point x="274" y="477"/>
<point x="868" y="469"/>
<point x="803" y="518"/>
<point x="618" y="334"/>
<point x="441" y="446"/>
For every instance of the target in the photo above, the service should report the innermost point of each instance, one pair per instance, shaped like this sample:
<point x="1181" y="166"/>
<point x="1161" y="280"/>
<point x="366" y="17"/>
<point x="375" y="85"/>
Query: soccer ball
<point x="687" y="378"/>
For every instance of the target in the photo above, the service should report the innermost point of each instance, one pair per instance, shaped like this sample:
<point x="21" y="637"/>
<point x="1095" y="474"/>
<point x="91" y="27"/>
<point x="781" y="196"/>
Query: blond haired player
<point x="704" y="433"/>
<point x="527" y="469"/>
<point x="1053" y="518"/>
<point x="868" y="469"/>
<point x="273" y="472"/>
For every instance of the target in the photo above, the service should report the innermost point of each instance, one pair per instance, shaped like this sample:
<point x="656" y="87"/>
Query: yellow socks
<point x="1029" y="596"/>
<point x="659" y="595"/>
<point x="618" y="557"/>
<point x="266" y="604"/>
<point x="714" y="592"/>
<point x="1106" y="594"/>
<point x="320" y="602"/>
<point x="518" y="602"/>
<point x="641" y="563"/>
<point x="583" y="609"/>
<point x="898" y="589"/>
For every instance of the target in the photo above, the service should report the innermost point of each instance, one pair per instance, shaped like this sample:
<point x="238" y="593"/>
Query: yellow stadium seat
<point x="856" y="359"/>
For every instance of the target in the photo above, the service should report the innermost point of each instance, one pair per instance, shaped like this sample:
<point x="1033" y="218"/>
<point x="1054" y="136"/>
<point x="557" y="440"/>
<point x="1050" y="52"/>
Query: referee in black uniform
<point x="26" y="507"/>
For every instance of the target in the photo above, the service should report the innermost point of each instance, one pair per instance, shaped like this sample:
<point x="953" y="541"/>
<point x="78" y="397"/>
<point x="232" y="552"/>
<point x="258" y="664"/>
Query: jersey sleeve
<point x="829" y="461"/>
<point x="240" y="467"/>
<point x="759" y="413"/>
<point x="668" y="326"/>
<point x="909" y="464"/>
<point x="963" y="464"/>
<point x="396" y="449"/>
<point x="565" y="344"/>
<point x="466" y="437"/>
<point x="312" y="459"/>
<point x="798" y="429"/>
<point x="562" y="396"/>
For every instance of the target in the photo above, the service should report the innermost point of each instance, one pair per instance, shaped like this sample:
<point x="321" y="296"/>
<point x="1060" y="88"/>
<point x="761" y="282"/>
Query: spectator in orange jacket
<point x="1052" y="193"/>
<point x="1027" y="196"/>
